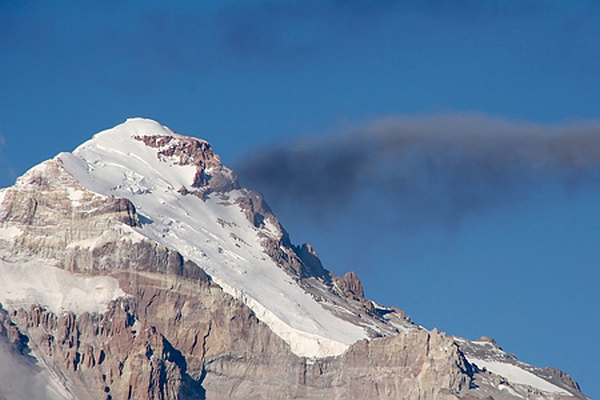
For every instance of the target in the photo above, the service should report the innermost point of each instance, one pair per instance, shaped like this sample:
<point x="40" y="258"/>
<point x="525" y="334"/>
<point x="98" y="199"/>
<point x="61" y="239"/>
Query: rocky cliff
<point x="136" y="268"/>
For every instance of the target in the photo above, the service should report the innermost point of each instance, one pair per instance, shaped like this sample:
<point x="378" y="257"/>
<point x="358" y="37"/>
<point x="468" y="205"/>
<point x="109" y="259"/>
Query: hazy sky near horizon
<point x="446" y="151"/>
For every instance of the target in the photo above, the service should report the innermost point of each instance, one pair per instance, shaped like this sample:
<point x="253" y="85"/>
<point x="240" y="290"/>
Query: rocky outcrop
<point x="350" y="286"/>
<point x="312" y="264"/>
<point x="111" y="356"/>
<point x="211" y="175"/>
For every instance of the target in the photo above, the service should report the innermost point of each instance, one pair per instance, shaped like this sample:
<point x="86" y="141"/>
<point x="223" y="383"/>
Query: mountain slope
<point x="137" y="267"/>
<point x="171" y="181"/>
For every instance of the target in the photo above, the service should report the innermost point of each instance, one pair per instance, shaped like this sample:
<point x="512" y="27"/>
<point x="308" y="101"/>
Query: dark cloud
<point x="440" y="167"/>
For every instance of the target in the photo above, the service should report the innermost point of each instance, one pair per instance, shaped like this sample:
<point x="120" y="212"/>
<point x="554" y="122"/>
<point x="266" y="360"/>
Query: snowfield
<point x="26" y="283"/>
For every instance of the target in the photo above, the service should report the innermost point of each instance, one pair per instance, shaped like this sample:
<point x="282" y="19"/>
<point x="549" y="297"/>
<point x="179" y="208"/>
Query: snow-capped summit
<point x="155" y="157"/>
<point x="188" y="201"/>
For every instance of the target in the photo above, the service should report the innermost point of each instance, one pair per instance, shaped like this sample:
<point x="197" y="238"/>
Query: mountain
<point x="136" y="267"/>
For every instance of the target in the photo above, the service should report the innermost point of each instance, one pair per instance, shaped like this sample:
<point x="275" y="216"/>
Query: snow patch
<point x="75" y="195"/>
<point x="35" y="282"/>
<point x="517" y="375"/>
<point x="510" y="390"/>
<point x="122" y="234"/>
<point x="9" y="233"/>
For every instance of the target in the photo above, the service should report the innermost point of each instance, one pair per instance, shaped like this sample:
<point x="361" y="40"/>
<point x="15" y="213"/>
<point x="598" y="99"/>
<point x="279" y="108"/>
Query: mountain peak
<point x="152" y="154"/>
<point x="188" y="201"/>
<point x="138" y="250"/>
<point x="132" y="127"/>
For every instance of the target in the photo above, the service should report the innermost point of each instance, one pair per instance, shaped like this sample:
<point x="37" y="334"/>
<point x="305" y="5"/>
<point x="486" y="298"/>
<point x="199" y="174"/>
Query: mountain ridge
<point x="158" y="213"/>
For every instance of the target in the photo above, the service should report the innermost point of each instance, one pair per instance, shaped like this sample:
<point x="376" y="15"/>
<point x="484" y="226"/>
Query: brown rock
<point x="350" y="286"/>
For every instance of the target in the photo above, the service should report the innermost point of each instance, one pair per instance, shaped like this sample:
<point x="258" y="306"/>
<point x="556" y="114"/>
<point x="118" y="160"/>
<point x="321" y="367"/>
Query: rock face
<point x="211" y="176"/>
<point x="166" y="318"/>
<point x="139" y="349"/>
<point x="351" y="286"/>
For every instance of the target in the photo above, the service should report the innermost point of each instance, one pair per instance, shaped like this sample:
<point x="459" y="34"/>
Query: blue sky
<point x="446" y="151"/>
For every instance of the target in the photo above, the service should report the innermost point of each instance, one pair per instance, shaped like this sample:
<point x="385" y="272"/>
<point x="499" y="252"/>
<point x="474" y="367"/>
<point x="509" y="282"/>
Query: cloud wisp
<point x="440" y="167"/>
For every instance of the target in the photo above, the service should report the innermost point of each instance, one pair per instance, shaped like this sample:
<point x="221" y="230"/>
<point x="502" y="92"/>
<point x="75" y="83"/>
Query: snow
<point x="33" y="282"/>
<point x="114" y="164"/>
<point x="517" y="375"/>
<point x="122" y="233"/>
<point x="511" y="391"/>
<point x="301" y="343"/>
<point x="75" y="195"/>
<point x="9" y="233"/>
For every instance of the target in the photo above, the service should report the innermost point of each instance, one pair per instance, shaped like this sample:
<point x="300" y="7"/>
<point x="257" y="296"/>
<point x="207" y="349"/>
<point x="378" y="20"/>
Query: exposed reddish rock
<point x="177" y="340"/>
<point x="211" y="175"/>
